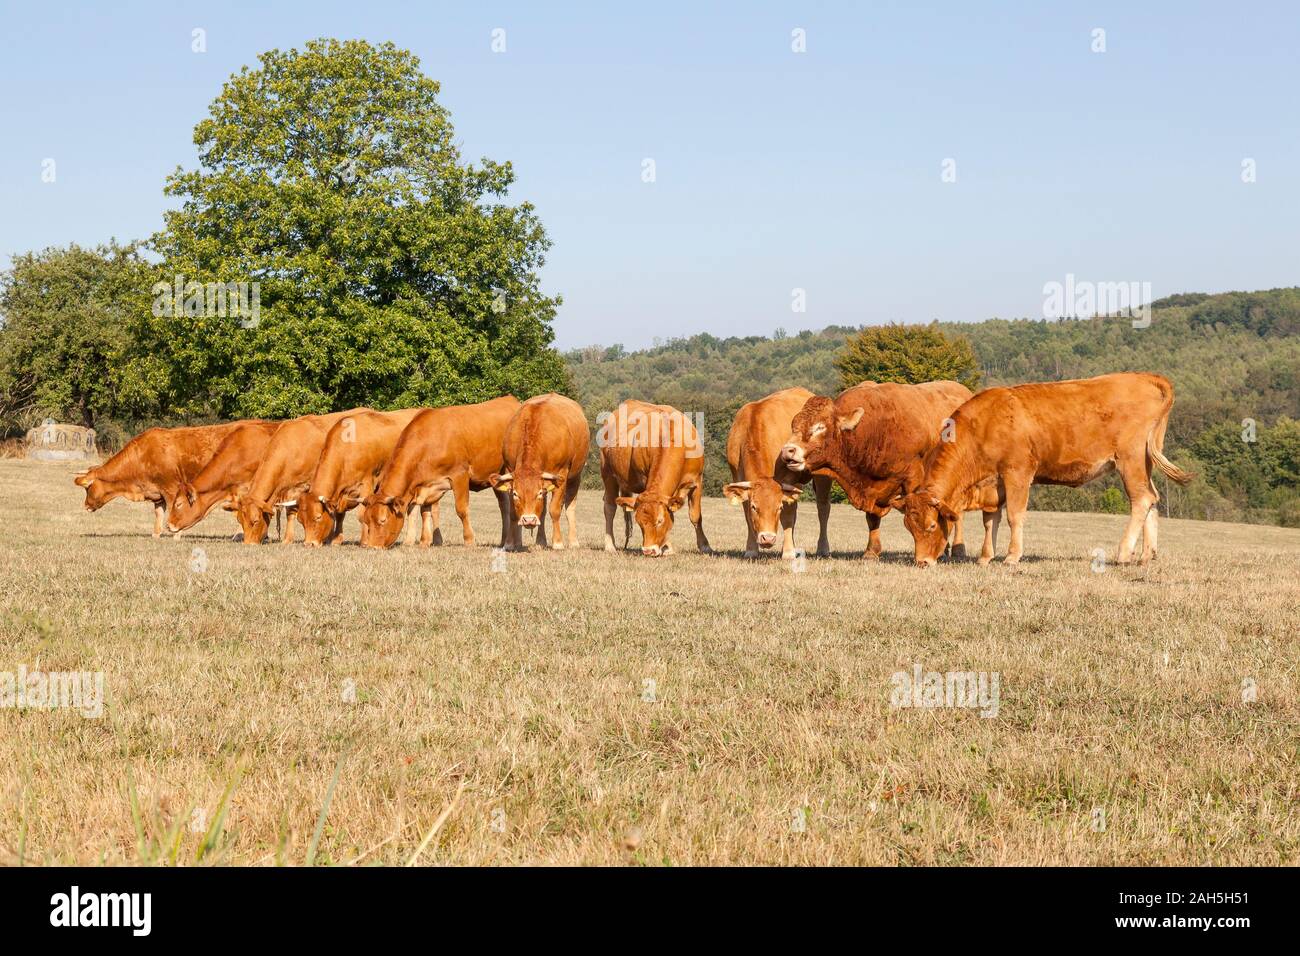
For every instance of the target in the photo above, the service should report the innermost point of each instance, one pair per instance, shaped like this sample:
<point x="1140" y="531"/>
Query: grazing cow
<point x="355" y="451"/>
<point x="455" y="449"/>
<point x="874" y="439"/>
<point x="651" y="463"/>
<point x="543" y="452"/>
<point x="1059" y="433"/>
<point x="225" y="478"/>
<point x="285" y="473"/>
<point x="152" y="466"/>
<point x="759" y="480"/>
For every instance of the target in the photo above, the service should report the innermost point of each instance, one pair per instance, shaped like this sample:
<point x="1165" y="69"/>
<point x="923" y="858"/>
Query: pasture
<point x="586" y="708"/>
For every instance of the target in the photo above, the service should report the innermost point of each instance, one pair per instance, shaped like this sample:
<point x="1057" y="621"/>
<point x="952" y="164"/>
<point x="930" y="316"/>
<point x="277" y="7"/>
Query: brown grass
<point x="499" y="718"/>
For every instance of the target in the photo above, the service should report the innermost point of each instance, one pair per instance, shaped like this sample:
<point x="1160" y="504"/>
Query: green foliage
<point x="908" y="354"/>
<point x="66" y="350"/>
<point x="390" y="273"/>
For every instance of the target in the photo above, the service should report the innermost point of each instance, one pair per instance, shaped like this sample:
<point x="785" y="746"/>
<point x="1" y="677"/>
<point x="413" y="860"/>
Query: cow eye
<point x="933" y="525"/>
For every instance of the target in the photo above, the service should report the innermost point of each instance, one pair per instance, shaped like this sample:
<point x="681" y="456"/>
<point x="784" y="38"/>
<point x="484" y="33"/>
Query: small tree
<point x="66" y="348"/>
<point x="909" y="354"/>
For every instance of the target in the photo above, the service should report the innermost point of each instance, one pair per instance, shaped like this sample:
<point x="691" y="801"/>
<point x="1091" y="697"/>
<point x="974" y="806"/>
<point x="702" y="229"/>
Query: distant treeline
<point x="1234" y="359"/>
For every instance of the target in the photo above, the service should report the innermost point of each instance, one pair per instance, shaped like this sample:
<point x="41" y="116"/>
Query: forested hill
<point x="1231" y="357"/>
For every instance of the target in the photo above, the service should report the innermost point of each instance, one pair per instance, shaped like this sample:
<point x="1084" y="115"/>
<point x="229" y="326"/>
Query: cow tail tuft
<point x="1165" y="465"/>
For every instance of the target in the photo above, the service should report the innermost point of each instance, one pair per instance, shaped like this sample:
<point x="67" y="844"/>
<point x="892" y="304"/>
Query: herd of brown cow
<point x="931" y="451"/>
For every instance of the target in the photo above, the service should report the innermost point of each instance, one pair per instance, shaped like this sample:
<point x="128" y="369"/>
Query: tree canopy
<point x="908" y="354"/>
<point x="388" y="271"/>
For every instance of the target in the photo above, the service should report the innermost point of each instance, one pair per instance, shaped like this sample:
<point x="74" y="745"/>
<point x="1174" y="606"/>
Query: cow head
<point x="98" y="491"/>
<point x="527" y="490"/>
<point x="254" y="516"/>
<point x="929" y="521"/>
<point x="318" y="515"/>
<point x="653" y="513"/>
<point x="815" y="434"/>
<point x="382" y="517"/>
<point x="185" y="511"/>
<point x="766" y="497"/>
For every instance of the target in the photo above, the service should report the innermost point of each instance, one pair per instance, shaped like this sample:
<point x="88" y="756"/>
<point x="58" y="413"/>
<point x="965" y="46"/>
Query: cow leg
<point x="539" y="539"/>
<point x="410" y="537"/>
<point x="279" y="532"/>
<point x="1142" y="498"/>
<point x="697" y="519"/>
<point x="555" y="505"/>
<point x="822" y="489"/>
<point x="159" y="518"/>
<point x="789" y="514"/>
<point x="570" y="508"/>
<point x="751" y="538"/>
<point x="460" y="493"/>
<point x="611" y="509"/>
<point x="336" y="533"/>
<point x="1017" y="497"/>
<point x="991" y="519"/>
<point x="1149" y="534"/>
<point x="503" y="503"/>
<point x="874" y="546"/>
<point x="289" y="517"/>
<point x="958" y="542"/>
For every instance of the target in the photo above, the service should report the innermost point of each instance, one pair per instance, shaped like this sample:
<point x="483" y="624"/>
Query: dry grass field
<point x="442" y="713"/>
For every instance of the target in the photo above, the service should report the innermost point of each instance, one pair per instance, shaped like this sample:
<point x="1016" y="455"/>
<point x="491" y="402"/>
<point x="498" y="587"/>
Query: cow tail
<point x="1172" y="471"/>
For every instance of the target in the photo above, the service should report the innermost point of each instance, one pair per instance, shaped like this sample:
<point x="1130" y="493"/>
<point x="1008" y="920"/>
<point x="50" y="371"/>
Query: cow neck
<point x="957" y="468"/>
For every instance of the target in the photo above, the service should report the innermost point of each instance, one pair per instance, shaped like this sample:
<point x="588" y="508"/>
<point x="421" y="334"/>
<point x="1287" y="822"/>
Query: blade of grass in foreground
<point x="325" y="809"/>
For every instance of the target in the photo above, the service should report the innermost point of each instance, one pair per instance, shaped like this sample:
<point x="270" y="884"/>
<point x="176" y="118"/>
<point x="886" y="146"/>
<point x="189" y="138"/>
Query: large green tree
<point x="66" y="346"/>
<point x="909" y="354"/>
<point x="389" y="272"/>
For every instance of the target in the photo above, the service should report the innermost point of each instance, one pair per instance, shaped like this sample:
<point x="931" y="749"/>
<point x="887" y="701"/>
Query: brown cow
<point x="759" y="480"/>
<point x="874" y="438"/>
<point x="651" y="463"/>
<point x="1059" y="433"/>
<point x="355" y="451"/>
<point x="152" y="466"/>
<point x="285" y="473"/>
<point x="454" y="449"/>
<point x="544" y="450"/>
<point x="225" y="478"/>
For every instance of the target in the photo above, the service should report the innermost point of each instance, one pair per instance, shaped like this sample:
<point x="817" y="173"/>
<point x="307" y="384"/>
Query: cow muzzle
<point x="925" y="562"/>
<point x="766" y="539"/>
<point x="792" y="457"/>
<point x="653" y="551"/>
<point x="529" y="521"/>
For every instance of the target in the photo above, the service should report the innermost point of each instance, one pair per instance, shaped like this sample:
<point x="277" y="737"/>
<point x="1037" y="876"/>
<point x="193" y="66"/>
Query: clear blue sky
<point x="775" y="170"/>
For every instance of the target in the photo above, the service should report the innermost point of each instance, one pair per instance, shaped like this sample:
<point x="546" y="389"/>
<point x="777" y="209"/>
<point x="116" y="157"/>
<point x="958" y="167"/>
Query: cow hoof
<point x="823" y="552"/>
<point x="1011" y="559"/>
<point x="706" y="550"/>
<point x="870" y="555"/>
<point x="751" y="554"/>
<point x="958" y="552"/>
<point x="982" y="561"/>
<point x="558" y="546"/>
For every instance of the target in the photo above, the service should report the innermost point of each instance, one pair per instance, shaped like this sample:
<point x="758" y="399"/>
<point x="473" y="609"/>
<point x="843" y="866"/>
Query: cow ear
<point x="190" y="494"/>
<point x="947" y="512"/>
<point x="737" y="491"/>
<point x="849" y="422"/>
<point x="83" y="480"/>
<point x="676" y="501"/>
<point x="790" y="493"/>
<point x="627" y="504"/>
<point x="501" y="482"/>
<point x="549" y="481"/>
<point x="898" y="501"/>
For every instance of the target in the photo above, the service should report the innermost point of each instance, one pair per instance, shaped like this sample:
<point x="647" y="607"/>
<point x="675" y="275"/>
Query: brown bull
<point x="225" y="478"/>
<point x="651" y="463"/>
<point x="874" y="439"/>
<point x="768" y="490"/>
<point x="285" y="472"/>
<point x="1060" y="433"/>
<point x="152" y="466"/>
<point x="355" y="451"/>
<point x="454" y="449"/>
<point x="543" y="453"/>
